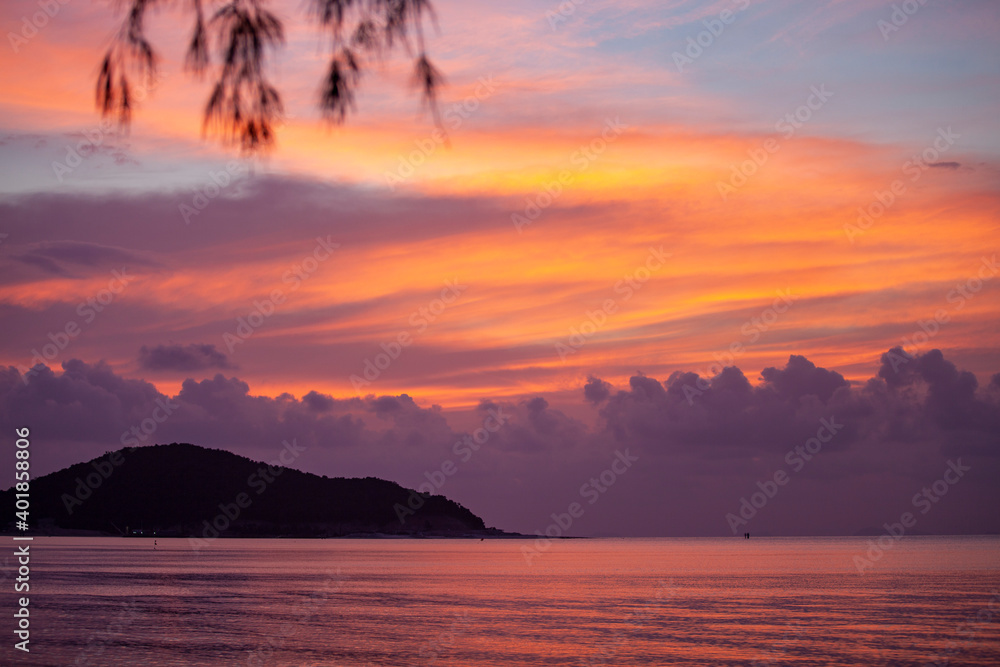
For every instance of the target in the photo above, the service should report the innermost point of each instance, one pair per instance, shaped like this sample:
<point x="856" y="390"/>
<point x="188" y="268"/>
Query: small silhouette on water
<point x="746" y="535"/>
<point x="154" y="545"/>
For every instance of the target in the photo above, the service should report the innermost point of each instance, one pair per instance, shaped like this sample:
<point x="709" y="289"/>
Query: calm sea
<point x="726" y="601"/>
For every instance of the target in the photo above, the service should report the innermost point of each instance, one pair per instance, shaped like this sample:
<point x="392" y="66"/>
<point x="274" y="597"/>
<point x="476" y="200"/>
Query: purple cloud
<point x="192" y="357"/>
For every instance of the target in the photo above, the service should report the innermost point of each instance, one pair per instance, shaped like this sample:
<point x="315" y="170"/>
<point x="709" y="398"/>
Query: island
<point x="183" y="490"/>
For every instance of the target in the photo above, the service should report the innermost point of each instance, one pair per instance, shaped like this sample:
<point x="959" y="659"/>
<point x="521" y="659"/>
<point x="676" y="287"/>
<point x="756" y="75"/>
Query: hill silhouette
<point x="186" y="490"/>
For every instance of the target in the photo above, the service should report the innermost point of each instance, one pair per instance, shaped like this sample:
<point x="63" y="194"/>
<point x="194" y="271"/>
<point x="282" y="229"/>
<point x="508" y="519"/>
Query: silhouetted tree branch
<point x="244" y="106"/>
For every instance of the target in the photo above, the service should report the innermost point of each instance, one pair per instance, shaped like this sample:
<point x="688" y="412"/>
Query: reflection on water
<point x="454" y="602"/>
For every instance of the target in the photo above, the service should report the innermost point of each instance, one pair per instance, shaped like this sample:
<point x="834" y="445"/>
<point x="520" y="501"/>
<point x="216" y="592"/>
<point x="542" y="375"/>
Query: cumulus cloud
<point x="801" y="377"/>
<point x="951" y="400"/>
<point x="192" y="357"/>
<point x="701" y="441"/>
<point x="84" y="403"/>
<point x="91" y="403"/>
<point x="912" y="398"/>
<point x="596" y="390"/>
<point x="921" y="398"/>
<point x="536" y="427"/>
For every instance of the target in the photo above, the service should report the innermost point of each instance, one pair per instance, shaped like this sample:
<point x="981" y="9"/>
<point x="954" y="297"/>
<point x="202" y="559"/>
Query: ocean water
<point x="725" y="601"/>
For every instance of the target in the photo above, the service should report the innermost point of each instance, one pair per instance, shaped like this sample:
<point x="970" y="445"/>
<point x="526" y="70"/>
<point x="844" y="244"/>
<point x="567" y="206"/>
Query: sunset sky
<point x="616" y="205"/>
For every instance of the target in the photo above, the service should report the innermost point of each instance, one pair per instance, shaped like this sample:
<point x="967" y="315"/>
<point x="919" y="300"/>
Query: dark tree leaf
<point x="244" y="106"/>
